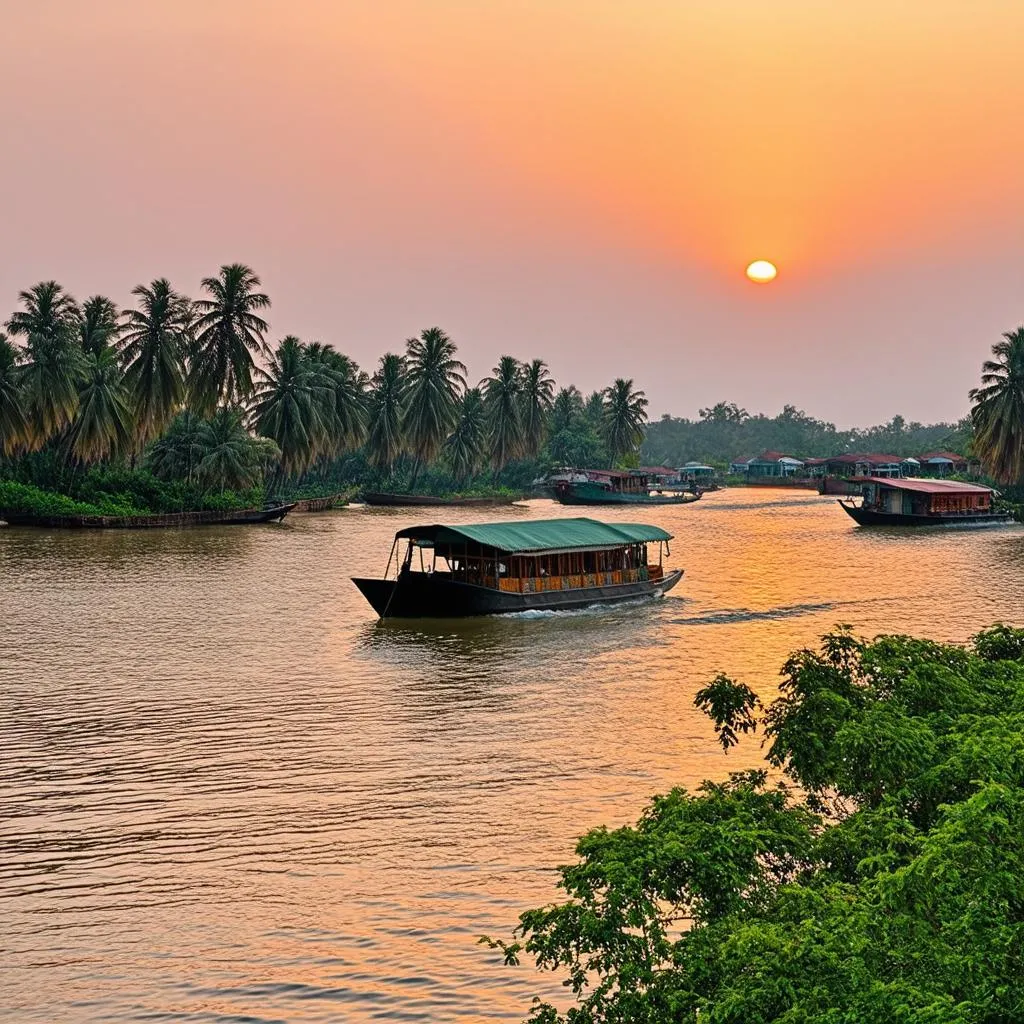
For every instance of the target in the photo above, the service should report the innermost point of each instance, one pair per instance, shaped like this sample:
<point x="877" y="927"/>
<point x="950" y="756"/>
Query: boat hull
<point x="428" y="500"/>
<point x="588" y="494"/>
<point x="869" y="517"/>
<point x="427" y="596"/>
<point x="166" y="521"/>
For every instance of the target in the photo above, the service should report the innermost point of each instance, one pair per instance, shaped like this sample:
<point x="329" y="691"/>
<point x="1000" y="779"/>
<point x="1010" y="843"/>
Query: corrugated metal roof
<point x="540" y="534"/>
<point x="926" y="486"/>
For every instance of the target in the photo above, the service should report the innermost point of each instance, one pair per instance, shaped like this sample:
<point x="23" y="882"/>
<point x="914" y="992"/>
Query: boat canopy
<point x="547" y="535"/>
<point x="925" y="486"/>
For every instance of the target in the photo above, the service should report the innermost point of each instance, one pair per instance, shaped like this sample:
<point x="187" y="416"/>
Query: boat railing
<point x="582" y="581"/>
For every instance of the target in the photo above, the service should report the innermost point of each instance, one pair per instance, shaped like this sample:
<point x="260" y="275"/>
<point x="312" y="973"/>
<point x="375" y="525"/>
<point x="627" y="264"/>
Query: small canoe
<point x="420" y="500"/>
<point x="166" y="521"/>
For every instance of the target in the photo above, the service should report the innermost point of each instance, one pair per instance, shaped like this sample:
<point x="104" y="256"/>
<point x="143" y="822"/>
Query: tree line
<point x="191" y="390"/>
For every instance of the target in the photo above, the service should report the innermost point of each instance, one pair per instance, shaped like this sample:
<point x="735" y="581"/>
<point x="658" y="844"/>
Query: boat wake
<point x="748" y="615"/>
<point x="602" y="608"/>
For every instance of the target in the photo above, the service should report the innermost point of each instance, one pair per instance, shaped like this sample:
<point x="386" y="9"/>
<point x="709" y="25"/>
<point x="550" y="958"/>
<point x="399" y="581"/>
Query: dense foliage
<point x="725" y="432"/>
<point x="190" y="390"/>
<point x="888" y="886"/>
<point x="998" y="413"/>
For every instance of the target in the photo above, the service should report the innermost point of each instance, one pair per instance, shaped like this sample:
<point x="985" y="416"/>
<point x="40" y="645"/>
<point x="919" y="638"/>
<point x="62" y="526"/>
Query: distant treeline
<point x="725" y="432"/>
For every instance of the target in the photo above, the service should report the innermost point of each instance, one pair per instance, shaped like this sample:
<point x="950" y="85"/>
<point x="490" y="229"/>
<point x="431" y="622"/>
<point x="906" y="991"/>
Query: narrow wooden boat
<point x="321" y="504"/>
<point x="910" y="501"/>
<point x="425" y="500"/>
<point x="503" y="568"/>
<point x="167" y="521"/>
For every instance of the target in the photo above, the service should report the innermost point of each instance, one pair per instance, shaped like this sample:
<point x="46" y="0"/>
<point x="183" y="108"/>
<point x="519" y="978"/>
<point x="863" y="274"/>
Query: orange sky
<point x="581" y="180"/>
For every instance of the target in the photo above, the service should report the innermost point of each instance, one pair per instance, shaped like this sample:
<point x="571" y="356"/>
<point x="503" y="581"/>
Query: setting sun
<point x="761" y="271"/>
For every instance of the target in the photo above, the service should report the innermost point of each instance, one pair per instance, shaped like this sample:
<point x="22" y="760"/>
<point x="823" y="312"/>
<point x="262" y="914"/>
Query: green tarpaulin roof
<point x="539" y="534"/>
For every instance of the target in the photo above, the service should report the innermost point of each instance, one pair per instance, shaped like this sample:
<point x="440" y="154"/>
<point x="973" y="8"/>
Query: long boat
<point x="615" y="487"/>
<point x="912" y="501"/>
<point x="502" y="568"/>
<point x="429" y="500"/>
<point x="168" y="520"/>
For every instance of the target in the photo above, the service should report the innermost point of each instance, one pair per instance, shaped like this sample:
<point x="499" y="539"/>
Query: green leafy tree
<point x="538" y="390"/>
<point x="385" y="441"/>
<point x="231" y="457"/>
<point x="566" y="410"/>
<point x="349" y="387"/>
<point x="229" y="333"/>
<point x="739" y="902"/>
<point x="14" y="429"/>
<point x="435" y="381"/>
<point x="54" y="363"/>
<point x="502" y="393"/>
<point x="98" y="326"/>
<point x="154" y="345"/>
<point x="467" y="446"/>
<point x="625" y="416"/>
<point x="998" y="411"/>
<point x="102" y="426"/>
<point x="176" y="455"/>
<point x="293" y="405"/>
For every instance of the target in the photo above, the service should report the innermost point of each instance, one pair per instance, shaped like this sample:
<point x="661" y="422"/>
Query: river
<point x="228" y="794"/>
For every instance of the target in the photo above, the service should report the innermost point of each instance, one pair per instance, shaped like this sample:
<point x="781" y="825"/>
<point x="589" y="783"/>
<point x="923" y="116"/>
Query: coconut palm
<point x="998" y="412"/>
<point x="102" y="426"/>
<point x="348" y="385"/>
<point x="624" y="418"/>
<point x="566" y="409"/>
<point x="503" y="411"/>
<point x="385" y="439"/>
<point x="98" y="326"/>
<point x="228" y="332"/>
<point x="54" y="363"/>
<point x="467" y="446"/>
<point x="177" y="454"/>
<point x="537" y="400"/>
<point x="154" y="344"/>
<point x="435" y="381"/>
<point x="232" y="458"/>
<point x="13" y="425"/>
<point x="293" y="406"/>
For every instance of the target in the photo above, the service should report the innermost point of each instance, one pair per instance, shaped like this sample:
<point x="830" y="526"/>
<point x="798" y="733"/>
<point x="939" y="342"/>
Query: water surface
<point x="229" y="795"/>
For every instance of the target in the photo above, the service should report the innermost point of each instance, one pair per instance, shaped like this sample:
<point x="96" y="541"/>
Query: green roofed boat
<point x="502" y="568"/>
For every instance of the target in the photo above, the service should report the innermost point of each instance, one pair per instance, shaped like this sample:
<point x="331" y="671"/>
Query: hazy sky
<point x="579" y="180"/>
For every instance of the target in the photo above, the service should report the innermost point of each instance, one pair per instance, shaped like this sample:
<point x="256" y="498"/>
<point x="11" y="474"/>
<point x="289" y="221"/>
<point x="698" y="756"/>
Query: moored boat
<point x="624" y="487"/>
<point x="912" y="501"/>
<point x="429" y="500"/>
<point x="502" y="568"/>
<point x="166" y="521"/>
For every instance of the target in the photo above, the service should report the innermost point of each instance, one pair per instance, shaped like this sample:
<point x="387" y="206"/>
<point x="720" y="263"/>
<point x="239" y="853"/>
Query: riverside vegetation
<point x="181" y="404"/>
<point x="881" y="881"/>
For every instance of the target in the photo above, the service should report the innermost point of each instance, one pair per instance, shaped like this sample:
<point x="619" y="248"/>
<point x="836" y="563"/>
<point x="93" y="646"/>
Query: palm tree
<point x="98" y="325"/>
<point x="102" y="426"/>
<point x="537" y="398"/>
<point x="467" y="446"/>
<point x="177" y="454"/>
<point x="435" y="381"/>
<point x="54" y="364"/>
<point x="231" y="456"/>
<point x="566" y="409"/>
<point x="155" y="339"/>
<point x="502" y="407"/>
<point x="348" y="385"/>
<point x="385" y="440"/>
<point x="228" y="332"/>
<point x="13" y="425"/>
<point x="998" y="412"/>
<point x="624" y="418"/>
<point x="294" y="406"/>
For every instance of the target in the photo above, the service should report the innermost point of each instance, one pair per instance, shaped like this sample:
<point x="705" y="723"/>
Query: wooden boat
<point x="616" y="487"/>
<point x="910" y="501"/>
<point x="422" y="500"/>
<point x="321" y="504"/>
<point x="169" y="520"/>
<point x="501" y="568"/>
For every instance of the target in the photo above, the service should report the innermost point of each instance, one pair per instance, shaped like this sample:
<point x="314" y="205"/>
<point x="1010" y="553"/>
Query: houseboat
<point x="626" y="487"/>
<point x="914" y="501"/>
<point x="499" y="568"/>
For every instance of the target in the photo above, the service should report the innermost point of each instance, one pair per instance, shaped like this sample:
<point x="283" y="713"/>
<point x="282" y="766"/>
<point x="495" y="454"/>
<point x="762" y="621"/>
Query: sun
<point x="761" y="271"/>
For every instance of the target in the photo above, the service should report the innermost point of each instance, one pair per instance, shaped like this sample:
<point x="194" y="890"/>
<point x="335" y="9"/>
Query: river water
<point x="228" y="794"/>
